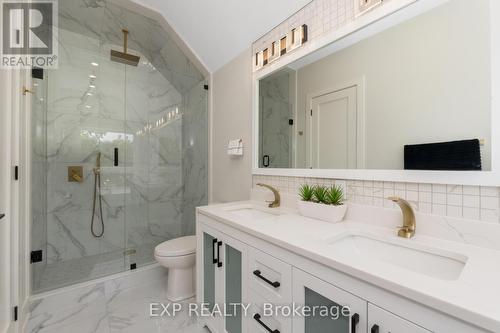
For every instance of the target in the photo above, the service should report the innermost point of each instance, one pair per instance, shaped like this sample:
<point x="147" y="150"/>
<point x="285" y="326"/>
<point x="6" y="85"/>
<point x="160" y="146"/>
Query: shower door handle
<point x="116" y="157"/>
<point x="214" y="244"/>
<point x="219" y="263"/>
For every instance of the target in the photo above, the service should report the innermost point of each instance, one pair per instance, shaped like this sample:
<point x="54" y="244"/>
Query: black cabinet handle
<point x="2" y="216"/>
<point x="116" y="157"/>
<point x="258" y="274"/>
<point x="375" y="329"/>
<point x="257" y="319"/>
<point x="219" y="263"/>
<point x="214" y="243"/>
<point x="265" y="161"/>
<point x="354" y="322"/>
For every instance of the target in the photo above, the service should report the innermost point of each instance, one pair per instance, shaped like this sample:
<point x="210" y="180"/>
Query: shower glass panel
<point x="148" y="125"/>
<point x="84" y="117"/>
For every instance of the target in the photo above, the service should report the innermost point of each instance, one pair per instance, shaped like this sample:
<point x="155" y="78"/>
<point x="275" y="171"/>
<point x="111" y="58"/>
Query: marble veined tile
<point x="94" y="105"/>
<point x="117" y="305"/>
<point x="82" y="16"/>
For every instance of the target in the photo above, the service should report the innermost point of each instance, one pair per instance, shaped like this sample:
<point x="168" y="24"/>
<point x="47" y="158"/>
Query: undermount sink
<point x="252" y="212"/>
<point x="435" y="263"/>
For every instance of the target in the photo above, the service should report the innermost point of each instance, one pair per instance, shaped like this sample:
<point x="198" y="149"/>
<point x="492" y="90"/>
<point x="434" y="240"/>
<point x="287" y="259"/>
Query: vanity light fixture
<point x="366" y="6"/>
<point x="283" y="46"/>
<point x="95" y="64"/>
<point x="92" y="76"/>
<point x="294" y="39"/>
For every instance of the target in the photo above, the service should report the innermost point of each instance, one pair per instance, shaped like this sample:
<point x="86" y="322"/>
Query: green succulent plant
<point x="321" y="194"/>
<point x="335" y="195"/>
<point x="306" y="192"/>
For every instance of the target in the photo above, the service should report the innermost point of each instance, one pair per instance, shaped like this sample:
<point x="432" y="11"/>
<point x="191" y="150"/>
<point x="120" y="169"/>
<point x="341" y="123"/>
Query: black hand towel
<point x="456" y="156"/>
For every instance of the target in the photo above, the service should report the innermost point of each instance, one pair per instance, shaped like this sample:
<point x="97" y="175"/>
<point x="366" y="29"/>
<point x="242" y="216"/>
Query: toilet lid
<point x="177" y="247"/>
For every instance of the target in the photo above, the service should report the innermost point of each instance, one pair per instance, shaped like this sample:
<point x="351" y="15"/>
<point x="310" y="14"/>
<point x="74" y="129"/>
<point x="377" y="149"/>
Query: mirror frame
<point x="358" y="31"/>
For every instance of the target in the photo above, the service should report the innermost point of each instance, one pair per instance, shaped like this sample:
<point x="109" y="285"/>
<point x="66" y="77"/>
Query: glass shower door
<point x="83" y="123"/>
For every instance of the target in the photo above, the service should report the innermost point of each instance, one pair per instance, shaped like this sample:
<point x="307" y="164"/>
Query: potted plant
<point x="322" y="203"/>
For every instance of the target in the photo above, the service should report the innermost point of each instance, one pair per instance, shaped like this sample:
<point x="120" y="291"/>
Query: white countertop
<point x="474" y="297"/>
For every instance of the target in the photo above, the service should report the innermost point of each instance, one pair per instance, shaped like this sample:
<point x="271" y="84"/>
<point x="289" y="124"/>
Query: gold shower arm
<point x="125" y="40"/>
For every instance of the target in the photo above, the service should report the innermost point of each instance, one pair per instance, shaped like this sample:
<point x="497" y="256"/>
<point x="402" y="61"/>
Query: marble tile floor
<point x="65" y="273"/>
<point x="107" y="308"/>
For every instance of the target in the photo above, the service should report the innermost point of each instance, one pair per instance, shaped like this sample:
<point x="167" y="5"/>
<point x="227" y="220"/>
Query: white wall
<point x="232" y="119"/>
<point x="427" y="80"/>
<point x="5" y="311"/>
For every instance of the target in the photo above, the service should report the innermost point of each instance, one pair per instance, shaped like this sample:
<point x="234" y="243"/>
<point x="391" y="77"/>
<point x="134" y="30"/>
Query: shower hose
<point x="97" y="186"/>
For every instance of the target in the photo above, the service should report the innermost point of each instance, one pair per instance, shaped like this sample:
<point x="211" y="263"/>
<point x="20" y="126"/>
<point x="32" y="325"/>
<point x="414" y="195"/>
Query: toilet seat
<point x="177" y="247"/>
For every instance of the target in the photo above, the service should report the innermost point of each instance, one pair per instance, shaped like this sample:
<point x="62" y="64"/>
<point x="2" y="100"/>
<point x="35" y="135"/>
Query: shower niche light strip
<point x="293" y="40"/>
<point x="167" y="118"/>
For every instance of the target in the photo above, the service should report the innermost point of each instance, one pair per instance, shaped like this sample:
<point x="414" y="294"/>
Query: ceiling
<point x="219" y="30"/>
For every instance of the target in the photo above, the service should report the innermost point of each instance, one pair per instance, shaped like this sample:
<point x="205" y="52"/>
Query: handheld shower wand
<point x="97" y="186"/>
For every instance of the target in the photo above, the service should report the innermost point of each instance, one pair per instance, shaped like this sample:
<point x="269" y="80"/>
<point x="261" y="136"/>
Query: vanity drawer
<point x="269" y="277"/>
<point x="382" y="321"/>
<point x="260" y="321"/>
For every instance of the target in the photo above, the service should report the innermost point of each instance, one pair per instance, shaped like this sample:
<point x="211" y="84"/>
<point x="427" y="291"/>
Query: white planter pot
<point x="322" y="212"/>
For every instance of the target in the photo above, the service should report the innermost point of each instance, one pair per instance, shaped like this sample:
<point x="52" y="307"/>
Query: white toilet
<point x="179" y="256"/>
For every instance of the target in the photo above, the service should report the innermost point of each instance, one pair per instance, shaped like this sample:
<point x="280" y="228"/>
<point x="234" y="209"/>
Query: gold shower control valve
<point x="75" y="174"/>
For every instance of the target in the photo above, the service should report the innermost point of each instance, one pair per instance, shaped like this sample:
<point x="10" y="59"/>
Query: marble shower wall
<point x="276" y="109"/>
<point x="94" y="108"/>
<point x="195" y="155"/>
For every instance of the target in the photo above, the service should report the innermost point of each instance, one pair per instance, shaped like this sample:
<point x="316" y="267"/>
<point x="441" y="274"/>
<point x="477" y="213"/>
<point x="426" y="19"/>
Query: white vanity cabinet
<point x="221" y="271"/>
<point x="233" y="266"/>
<point x="346" y="312"/>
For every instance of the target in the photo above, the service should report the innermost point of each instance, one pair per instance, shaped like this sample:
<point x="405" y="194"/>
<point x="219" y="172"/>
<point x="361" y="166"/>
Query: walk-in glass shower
<point x="132" y="139"/>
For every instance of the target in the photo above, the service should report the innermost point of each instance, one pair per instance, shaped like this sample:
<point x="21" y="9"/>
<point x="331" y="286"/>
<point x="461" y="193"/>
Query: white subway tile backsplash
<point x="454" y="200"/>
<point x="400" y="186"/>
<point x="400" y="193"/>
<point x="454" y="211"/>
<point x="389" y="185"/>
<point x="424" y="187"/>
<point x="439" y="209"/>
<point x="438" y="188"/>
<point x="388" y="192"/>
<point x="471" y="190"/>
<point x="489" y="191"/>
<point x="439" y="198"/>
<point x="411" y="187"/>
<point x="425" y="207"/>
<point x="425" y="197"/>
<point x="454" y="189"/>
<point x="489" y="215"/>
<point x="489" y="203"/>
<point x="412" y="195"/>
<point x="470" y="202"/>
<point x="472" y="213"/>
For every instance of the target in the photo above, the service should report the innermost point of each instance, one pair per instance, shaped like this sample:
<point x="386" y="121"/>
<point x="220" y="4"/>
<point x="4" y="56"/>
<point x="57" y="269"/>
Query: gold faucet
<point x="409" y="221"/>
<point x="277" y="199"/>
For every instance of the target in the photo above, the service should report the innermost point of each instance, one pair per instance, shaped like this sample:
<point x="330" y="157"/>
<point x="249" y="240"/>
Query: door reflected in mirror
<point x="413" y="94"/>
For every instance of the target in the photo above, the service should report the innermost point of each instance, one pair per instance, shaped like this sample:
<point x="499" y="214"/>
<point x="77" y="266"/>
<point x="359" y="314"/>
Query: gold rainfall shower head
<point x="124" y="57"/>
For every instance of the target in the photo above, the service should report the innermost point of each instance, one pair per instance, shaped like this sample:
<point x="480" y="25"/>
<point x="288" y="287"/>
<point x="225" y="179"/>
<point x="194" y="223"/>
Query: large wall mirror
<point x="413" y="95"/>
